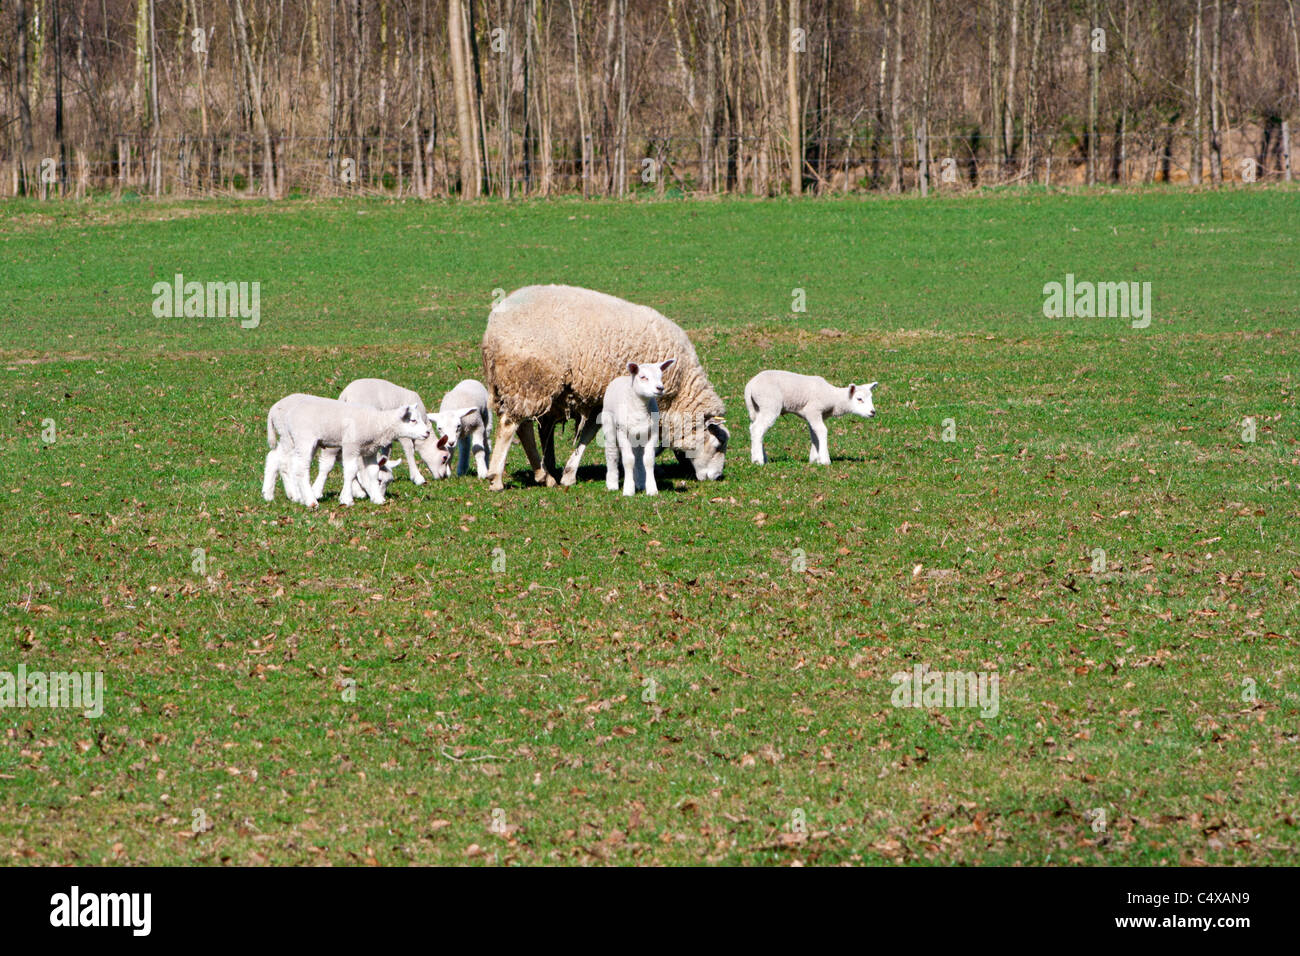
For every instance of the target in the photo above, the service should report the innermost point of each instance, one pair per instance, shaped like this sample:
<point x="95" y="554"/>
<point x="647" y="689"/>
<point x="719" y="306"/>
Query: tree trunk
<point x="1198" y="127"/>
<point x="896" y="97"/>
<point x="792" y="99"/>
<point x="465" y="138"/>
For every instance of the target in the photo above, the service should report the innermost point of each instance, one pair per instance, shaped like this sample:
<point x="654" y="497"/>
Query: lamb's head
<point x="705" y="447"/>
<point x="455" y="423"/>
<point x="648" y="377"/>
<point x="379" y="469"/>
<point x="439" y="455"/>
<point x="860" y="402"/>
<point x="412" y="424"/>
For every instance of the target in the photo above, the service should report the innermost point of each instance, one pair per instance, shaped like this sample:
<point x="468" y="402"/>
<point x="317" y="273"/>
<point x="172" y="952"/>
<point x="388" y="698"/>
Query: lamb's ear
<point x="663" y="366"/>
<point x="870" y="386"/>
<point x="393" y="463"/>
<point x="408" y="413"/>
<point x="632" y="368"/>
<point x="852" y="389"/>
<point x="444" y="441"/>
<point x="383" y="460"/>
<point x="462" y="412"/>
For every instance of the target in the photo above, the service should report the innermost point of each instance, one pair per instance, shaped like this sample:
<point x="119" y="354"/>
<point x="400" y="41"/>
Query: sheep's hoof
<point x="418" y="479"/>
<point x="497" y="485"/>
<point x="548" y="480"/>
<point x="569" y="478"/>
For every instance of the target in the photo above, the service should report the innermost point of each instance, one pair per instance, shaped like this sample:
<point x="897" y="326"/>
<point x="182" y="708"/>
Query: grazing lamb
<point x="630" y="420"/>
<point x="380" y="393"/>
<point x="466" y="417"/>
<point x="379" y="469"/>
<point x="550" y="351"/>
<point x="771" y="394"/>
<point x="297" y="424"/>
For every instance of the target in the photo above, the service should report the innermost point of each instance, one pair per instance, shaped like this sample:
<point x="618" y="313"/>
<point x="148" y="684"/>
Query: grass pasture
<point x="657" y="680"/>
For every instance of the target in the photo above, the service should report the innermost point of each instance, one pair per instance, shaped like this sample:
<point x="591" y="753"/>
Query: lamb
<point x="466" y="418"/>
<point x="297" y="424"/>
<point x="630" y="420"/>
<point x="550" y="351"/>
<point x="379" y="469"/>
<point x="380" y="393"/>
<point x="771" y="394"/>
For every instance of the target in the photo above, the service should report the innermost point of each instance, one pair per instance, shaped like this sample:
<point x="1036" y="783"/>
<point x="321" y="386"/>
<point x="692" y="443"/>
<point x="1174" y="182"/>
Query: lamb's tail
<point x="750" y="404"/>
<point x="270" y="432"/>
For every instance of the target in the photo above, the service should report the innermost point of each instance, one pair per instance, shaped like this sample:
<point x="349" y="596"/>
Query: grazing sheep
<point x="771" y="394"/>
<point x="550" y="351"/>
<point x="630" y="420"/>
<point x="438" y="460"/>
<point x="297" y="424"/>
<point x="466" y="417"/>
<point x="381" y="393"/>
<point x="379" y="469"/>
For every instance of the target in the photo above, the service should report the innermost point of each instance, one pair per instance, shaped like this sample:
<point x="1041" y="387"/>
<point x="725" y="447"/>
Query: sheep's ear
<point x="443" y="441"/>
<point x="870" y="386"/>
<point x="407" y="413"/>
<point x="663" y="366"/>
<point x="382" y="461"/>
<point x="852" y="389"/>
<point x="462" y="412"/>
<point x="632" y="367"/>
<point x="394" y="463"/>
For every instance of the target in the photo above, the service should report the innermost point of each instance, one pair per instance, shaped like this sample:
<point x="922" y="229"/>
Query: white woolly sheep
<point x="379" y="470"/>
<point x="771" y="394"/>
<point x="465" y="416"/>
<point x="630" y="420"/>
<point x="550" y="351"/>
<point x="383" y="394"/>
<point x="297" y="424"/>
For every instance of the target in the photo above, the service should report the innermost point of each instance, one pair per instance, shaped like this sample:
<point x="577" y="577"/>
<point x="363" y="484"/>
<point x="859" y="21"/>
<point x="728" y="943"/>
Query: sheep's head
<point x="705" y="446"/>
<point x="860" y="402"/>
<point x="412" y="424"/>
<point x="437" y="454"/>
<point x="648" y="377"/>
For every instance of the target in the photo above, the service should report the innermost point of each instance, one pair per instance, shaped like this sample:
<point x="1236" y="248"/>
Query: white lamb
<point x="465" y="417"/>
<point x="771" y="394"/>
<point x="381" y="393"/>
<point x="298" y="424"/>
<point x="630" y="419"/>
<point x="379" y="470"/>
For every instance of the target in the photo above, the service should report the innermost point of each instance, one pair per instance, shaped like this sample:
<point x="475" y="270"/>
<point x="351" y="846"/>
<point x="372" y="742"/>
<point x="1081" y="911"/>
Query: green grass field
<point x="698" y="677"/>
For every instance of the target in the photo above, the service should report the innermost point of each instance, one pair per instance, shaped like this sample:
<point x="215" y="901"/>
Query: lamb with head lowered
<point x="630" y="420"/>
<point x="773" y="393"/>
<point x="298" y="424"/>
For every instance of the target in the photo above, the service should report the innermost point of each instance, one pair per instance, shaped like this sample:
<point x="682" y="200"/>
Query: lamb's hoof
<point x="569" y="479"/>
<point x="418" y="479"/>
<point x="497" y="485"/>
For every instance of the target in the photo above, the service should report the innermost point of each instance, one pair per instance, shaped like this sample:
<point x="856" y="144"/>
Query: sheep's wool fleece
<point x="554" y="349"/>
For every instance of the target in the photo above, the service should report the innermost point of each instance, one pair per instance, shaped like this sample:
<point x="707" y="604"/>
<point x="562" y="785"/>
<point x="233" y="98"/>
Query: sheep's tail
<point x="750" y="403"/>
<point x="270" y="432"/>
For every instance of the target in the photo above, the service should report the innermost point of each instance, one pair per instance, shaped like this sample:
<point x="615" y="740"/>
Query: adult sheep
<point x="550" y="351"/>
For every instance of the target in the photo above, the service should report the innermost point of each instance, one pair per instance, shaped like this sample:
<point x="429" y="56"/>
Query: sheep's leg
<point x="324" y="462"/>
<point x="546" y="429"/>
<point x="611" y="459"/>
<point x="270" y="474"/>
<point x="757" y="429"/>
<point x="648" y="466"/>
<point x="528" y="439"/>
<point x="479" y="448"/>
<point x="506" y="428"/>
<point x="630" y="462"/>
<point x="588" y="425"/>
<point x="408" y="448"/>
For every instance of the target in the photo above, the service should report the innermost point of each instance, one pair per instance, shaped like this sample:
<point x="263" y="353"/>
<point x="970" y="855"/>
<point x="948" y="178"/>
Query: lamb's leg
<point x="324" y="462"/>
<point x="478" y="447"/>
<point x="349" y="473"/>
<point x="528" y="439"/>
<point x="462" y="457"/>
<point x="817" y="453"/>
<point x="300" y="477"/>
<point x="611" y="460"/>
<point x="757" y="429"/>
<point x="648" y="466"/>
<point x="270" y="474"/>
<point x="588" y="425"/>
<point x="408" y="448"/>
<point x="506" y="428"/>
<point x="630" y="462"/>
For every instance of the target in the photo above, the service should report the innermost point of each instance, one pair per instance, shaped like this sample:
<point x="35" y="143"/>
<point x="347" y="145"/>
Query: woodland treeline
<point x="607" y="97"/>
